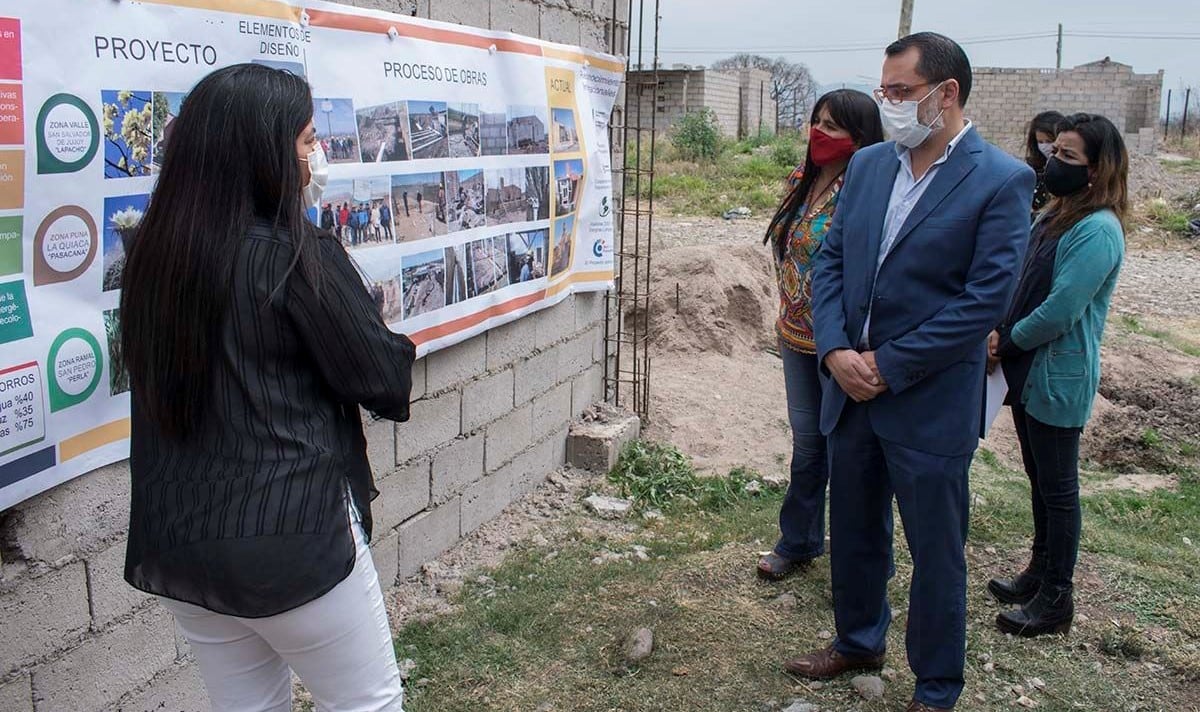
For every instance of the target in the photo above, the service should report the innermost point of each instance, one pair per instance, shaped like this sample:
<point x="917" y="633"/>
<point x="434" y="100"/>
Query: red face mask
<point x="826" y="149"/>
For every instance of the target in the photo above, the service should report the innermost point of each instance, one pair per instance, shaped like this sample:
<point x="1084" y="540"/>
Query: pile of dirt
<point x="712" y="299"/>
<point x="1148" y="400"/>
<point x="1148" y="178"/>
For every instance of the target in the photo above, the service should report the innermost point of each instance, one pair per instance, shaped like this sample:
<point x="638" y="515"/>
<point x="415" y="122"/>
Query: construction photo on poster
<point x="470" y="182"/>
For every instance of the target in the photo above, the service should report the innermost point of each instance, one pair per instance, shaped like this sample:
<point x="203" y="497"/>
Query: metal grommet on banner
<point x="492" y="49"/>
<point x="587" y="63"/>
<point x="393" y="32"/>
<point x="304" y="18"/>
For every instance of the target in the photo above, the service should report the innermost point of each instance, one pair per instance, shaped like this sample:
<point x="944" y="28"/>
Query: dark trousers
<point x="1051" y="457"/>
<point x="931" y="490"/>
<point x="802" y="517"/>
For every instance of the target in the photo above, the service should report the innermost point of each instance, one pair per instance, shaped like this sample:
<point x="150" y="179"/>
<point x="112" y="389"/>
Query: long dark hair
<point x="856" y="113"/>
<point x="230" y="160"/>
<point x="1108" y="162"/>
<point x="1045" y="122"/>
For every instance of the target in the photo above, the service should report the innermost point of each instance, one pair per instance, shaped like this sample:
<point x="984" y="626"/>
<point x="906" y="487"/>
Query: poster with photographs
<point x="468" y="180"/>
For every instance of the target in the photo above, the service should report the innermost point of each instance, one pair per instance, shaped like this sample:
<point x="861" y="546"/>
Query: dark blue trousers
<point x="802" y="516"/>
<point x="866" y="472"/>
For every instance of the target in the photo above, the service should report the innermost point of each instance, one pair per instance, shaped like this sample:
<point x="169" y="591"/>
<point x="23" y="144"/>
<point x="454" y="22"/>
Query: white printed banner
<point x="470" y="181"/>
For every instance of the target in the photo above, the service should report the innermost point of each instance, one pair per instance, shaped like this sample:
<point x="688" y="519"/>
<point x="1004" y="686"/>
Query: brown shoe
<point x="915" y="706"/>
<point x="829" y="663"/>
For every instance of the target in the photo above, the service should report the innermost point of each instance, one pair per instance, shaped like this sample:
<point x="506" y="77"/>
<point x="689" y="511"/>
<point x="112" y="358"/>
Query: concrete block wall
<point x="1003" y="100"/>
<point x="489" y="422"/>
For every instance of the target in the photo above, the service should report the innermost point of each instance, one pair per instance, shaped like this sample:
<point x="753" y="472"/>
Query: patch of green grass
<point x="659" y="476"/>
<point x="743" y="174"/>
<point x="1188" y="167"/>
<point x="1167" y="216"/>
<point x="1151" y="438"/>
<point x="545" y="630"/>
<point x="1134" y="326"/>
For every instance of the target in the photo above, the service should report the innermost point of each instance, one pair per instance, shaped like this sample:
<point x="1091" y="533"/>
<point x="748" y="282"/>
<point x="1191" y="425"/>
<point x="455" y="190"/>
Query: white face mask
<point x="1047" y="149"/>
<point x="318" y="172"/>
<point x="903" y="124"/>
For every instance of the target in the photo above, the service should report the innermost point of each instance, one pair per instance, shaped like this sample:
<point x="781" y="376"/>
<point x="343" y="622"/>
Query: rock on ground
<point x="639" y="645"/>
<point x="869" y="686"/>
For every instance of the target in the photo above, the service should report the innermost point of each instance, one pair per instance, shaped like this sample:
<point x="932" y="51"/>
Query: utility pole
<point x="1187" y="100"/>
<point x="1059" y="64"/>
<point x="1167" y="121"/>
<point x="906" y="13"/>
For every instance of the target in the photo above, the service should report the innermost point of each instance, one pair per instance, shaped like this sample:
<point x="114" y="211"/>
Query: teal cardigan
<point x="1067" y="328"/>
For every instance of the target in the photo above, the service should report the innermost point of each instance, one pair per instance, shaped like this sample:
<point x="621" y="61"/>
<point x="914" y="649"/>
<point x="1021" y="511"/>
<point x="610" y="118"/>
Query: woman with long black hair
<point x="251" y="343"/>
<point x="842" y="122"/>
<point x="1049" y="348"/>
<point x="1039" y="143"/>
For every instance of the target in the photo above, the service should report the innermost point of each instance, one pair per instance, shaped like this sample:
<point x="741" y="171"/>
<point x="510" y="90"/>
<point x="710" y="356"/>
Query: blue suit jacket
<point x="939" y="292"/>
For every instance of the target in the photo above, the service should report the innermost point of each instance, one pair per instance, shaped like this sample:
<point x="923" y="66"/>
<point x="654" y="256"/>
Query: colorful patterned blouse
<point x="804" y="236"/>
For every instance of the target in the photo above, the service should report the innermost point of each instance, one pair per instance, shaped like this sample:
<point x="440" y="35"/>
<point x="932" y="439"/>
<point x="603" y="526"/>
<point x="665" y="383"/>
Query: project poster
<point x="470" y="182"/>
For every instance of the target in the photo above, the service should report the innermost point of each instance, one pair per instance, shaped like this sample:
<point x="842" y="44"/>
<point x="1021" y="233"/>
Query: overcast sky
<point x="808" y="31"/>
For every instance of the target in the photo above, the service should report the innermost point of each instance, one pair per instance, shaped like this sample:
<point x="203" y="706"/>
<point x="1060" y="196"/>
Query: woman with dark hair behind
<point x="1049" y="348"/>
<point x="842" y="122"/>
<point x="1039" y="142"/>
<point x="251" y="342"/>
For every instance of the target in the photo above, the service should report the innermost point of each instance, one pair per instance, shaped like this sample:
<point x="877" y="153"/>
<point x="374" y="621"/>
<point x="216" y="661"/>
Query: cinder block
<point x="586" y="389"/>
<point x="434" y="421"/>
<point x="555" y="323"/>
<point x="385" y="553"/>
<point x="552" y="411"/>
<point x="456" y="467"/>
<point x="418" y="379"/>
<point x="179" y="688"/>
<point x="487" y="399"/>
<point x="96" y="674"/>
<point x="456" y="365"/>
<point x="603" y="8"/>
<point x="589" y="309"/>
<point x="463" y="12"/>
<point x="578" y="354"/>
<point x="594" y="34"/>
<point x="41" y="614"/>
<point x="400" y="7"/>
<point x="510" y="342"/>
<point x="401" y="496"/>
<point x="595" y="445"/>
<point x="534" y="464"/>
<point x="508" y="436"/>
<point x="427" y="535"/>
<point x="580" y="5"/>
<point x="381" y="444"/>
<point x="536" y="375"/>
<point x="81" y="515"/>
<point x="486" y="498"/>
<point x="17" y="695"/>
<point x="516" y="16"/>
<point x="111" y="596"/>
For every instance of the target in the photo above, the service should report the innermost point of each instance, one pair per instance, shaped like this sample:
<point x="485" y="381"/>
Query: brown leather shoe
<point x="915" y="706"/>
<point x="828" y="663"/>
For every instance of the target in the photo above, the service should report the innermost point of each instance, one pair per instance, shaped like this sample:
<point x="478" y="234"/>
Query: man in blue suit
<point x="918" y="266"/>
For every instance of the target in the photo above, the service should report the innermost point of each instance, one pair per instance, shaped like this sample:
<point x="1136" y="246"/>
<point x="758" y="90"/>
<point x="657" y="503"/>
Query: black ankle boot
<point x="1020" y="589"/>
<point x="1050" y="612"/>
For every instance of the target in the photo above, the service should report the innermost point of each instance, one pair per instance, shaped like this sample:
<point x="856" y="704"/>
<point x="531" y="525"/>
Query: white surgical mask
<point x="1047" y="149"/>
<point x="902" y="123"/>
<point x="318" y="172"/>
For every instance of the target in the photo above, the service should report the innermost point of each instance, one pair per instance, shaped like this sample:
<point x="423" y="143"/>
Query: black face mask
<point x="1063" y="179"/>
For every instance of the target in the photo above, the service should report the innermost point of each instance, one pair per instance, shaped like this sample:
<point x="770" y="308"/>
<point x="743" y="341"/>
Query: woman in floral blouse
<point x="842" y="122"/>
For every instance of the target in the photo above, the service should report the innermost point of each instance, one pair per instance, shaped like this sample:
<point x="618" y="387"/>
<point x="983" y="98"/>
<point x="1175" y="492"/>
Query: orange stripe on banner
<point x="360" y="23"/>
<point x="580" y="58"/>
<point x="98" y="437"/>
<point x="258" y="8"/>
<point x="578" y="278"/>
<point x="466" y="322"/>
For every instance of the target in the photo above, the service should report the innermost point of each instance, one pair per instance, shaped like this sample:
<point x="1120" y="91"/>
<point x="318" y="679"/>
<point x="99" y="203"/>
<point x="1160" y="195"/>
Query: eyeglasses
<point x="897" y="93"/>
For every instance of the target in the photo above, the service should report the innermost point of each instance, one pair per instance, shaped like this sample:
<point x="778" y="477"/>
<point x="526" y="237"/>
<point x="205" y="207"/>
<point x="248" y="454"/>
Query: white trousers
<point x="339" y="644"/>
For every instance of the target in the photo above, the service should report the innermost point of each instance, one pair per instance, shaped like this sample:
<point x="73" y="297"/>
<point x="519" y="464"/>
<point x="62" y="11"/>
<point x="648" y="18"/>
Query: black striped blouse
<point x="247" y="516"/>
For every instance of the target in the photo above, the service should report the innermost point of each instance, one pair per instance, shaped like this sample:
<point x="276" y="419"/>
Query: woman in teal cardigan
<point x="1049" y="348"/>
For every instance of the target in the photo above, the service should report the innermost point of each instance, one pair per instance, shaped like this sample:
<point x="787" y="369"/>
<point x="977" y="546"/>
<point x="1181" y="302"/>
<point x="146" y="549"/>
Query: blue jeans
<point x="802" y="517"/>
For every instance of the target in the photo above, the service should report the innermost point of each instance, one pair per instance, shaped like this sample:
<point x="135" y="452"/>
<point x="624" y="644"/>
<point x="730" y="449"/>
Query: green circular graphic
<point x="48" y="162"/>
<point x="64" y="397"/>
